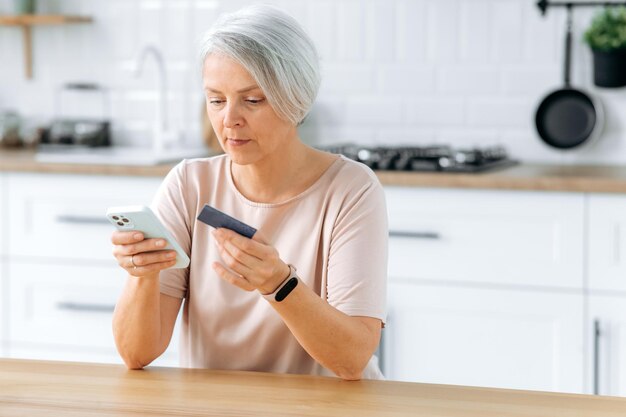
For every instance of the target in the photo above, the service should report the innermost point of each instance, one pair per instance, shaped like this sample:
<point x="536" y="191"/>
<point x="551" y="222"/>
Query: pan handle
<point x="568" y="46"/>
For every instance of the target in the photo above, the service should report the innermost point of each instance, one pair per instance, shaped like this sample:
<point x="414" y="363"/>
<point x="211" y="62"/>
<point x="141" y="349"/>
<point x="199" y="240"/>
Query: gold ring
<point x="132" y="261"/>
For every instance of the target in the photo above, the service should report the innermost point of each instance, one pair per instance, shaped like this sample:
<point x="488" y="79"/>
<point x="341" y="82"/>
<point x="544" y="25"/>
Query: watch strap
<point x="284" y="288"/>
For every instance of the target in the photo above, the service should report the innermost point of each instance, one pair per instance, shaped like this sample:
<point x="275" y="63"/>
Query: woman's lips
<point x="237" y="142"/>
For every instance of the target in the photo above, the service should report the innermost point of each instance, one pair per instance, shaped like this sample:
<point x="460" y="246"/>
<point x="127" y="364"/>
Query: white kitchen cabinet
<point x="607" y="242"/>
<point x="492" y="237"/>
<point x="57" y="306"/>
<point x="606" y="319"/>
<point x="484" y="337"/>
<point x="486" y="288"/>
<point x="63" y="216"/>
<point x="4" y="317"/>
<point x="606" y="345"/>
<point x="63" y="282"/>
<point x="58" y="312"/>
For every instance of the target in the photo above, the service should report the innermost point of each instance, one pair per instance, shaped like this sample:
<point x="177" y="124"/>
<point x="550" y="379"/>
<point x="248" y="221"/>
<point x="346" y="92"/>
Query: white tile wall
<point x="464" y="72"/>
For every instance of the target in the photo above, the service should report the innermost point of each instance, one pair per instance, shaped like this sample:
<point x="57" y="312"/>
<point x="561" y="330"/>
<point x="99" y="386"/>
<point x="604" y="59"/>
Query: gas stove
<point x="426" y="158"/>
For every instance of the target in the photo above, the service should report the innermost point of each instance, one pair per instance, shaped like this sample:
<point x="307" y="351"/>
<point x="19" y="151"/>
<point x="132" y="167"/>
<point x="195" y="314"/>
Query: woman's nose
<point x="232" y="117"/>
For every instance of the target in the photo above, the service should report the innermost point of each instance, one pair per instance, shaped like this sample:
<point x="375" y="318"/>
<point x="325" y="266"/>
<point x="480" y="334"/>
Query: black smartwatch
<point x="284" y="288"/>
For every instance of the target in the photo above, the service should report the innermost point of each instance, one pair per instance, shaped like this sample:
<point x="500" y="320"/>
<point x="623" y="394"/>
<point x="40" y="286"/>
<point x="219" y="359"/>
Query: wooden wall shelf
<point x="27" y="21"/>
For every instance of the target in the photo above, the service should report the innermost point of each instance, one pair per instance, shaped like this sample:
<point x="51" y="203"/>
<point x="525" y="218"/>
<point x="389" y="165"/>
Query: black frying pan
<point x="568" y="117"/>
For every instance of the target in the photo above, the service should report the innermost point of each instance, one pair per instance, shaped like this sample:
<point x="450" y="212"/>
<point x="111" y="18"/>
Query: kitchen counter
<point x="37" y="388"/>
<point x="576" y="178"/>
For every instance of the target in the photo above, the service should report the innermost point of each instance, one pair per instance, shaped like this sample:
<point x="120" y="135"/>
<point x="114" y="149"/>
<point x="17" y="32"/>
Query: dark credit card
<point x="214" y="217"/>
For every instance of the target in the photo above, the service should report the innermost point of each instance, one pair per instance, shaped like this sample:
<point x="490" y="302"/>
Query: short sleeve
<point x="357" y="265"/>
<point x="171" y="207"/>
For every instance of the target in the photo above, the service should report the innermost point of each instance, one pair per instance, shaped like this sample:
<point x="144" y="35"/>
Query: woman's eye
<point x="254" y="100"/>
<point x="215" y="101"/>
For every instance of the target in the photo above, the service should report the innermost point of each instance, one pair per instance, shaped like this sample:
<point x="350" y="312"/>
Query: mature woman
<point x="321" y="218"/>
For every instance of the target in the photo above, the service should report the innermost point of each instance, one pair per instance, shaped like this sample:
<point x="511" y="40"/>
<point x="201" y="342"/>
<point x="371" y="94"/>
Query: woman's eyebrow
<point x="243" y="90"/>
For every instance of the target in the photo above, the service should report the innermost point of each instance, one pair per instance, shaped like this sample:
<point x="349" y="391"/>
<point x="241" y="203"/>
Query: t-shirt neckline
<point x="229" y="174"/>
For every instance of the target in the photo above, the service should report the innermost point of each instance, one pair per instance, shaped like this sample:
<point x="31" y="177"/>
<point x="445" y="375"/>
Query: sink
<point x="119" y="155"/>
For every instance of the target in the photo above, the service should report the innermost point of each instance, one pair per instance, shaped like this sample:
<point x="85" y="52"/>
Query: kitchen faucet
<point x="161" y="125"/>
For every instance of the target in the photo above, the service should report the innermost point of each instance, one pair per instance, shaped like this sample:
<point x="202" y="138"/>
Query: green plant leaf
<point x="607" y="30"/>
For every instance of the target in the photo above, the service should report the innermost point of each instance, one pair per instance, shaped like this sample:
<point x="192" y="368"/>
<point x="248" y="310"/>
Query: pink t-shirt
<point x="334" y="233"/>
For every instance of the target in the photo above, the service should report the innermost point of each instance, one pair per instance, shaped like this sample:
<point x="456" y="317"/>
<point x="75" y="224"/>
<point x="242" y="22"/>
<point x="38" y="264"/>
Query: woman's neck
<point x="283" y="176"/>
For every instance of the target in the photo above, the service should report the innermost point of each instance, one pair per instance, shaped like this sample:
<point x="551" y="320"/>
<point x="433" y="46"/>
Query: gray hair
<point x="272" y="46"/>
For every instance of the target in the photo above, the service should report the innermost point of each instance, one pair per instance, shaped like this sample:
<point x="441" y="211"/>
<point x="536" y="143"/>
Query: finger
<point x="146" y="245"/>
<point x="125" y="238"/>
<point x="231" y="262"/>
<point x="240" y="255"/>
<point x="149" y="258"/>
<point x="249" y="246"/>
<point x="141" y="271"/>
<point x="260" y="237"/>
<point x="231" y="277"/>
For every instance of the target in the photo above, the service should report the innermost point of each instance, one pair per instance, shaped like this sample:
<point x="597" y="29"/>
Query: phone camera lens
<point x="125" y="220"/>
<point x="115" y="218"/>
<point x="120" y="223"/>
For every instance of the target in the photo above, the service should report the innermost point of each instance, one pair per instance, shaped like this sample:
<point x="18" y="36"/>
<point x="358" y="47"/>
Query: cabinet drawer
<point x="67" y="310"/>
<point x="63" y="305"/>
<point x="515" y="339"/>
<point x="501" y="237"/>
<point x="63" y="216"/>
<point x="607" y="242"/>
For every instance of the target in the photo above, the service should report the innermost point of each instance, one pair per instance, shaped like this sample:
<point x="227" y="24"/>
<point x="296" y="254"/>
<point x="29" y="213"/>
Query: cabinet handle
<point x="81" y="219"/>
<point x="92" y="308"/>
<point x="414" y="235"/>
<point x="596" y="356"/>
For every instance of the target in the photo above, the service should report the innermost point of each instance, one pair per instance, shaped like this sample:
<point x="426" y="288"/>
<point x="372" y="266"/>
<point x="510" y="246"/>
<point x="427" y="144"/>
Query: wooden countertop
<point x="38" y="388"/>
<point x="575" y="178"/>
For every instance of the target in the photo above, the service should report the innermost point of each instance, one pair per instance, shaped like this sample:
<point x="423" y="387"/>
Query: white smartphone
<point x="142" y="219"/>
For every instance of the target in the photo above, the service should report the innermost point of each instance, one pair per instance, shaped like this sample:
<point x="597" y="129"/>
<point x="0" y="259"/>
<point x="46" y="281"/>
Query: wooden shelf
<point x="27" y="21"/>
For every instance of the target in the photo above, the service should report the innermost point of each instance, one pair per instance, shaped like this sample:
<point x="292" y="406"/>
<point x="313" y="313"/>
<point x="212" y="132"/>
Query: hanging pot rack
<point x="545" y="4"/>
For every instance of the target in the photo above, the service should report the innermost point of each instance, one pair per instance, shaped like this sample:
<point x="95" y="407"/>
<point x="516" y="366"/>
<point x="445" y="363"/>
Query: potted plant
<point x="607" y="38"/>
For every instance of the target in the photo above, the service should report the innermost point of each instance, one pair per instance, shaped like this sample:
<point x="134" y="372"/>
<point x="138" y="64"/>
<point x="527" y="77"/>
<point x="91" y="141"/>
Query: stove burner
<point x="426" y="158"/>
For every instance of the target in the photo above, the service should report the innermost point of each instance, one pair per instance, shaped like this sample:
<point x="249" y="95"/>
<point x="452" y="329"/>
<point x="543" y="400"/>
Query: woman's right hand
<point x="141" y="257"/>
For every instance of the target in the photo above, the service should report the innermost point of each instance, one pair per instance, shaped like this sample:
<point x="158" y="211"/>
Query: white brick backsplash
<point x="407" y="80"/>
<point x="405" y="137"/>
<point x="475" y="36"/>
<point x="177" y="31"/>
<point x="327" y="112"/>
<point x="351" y="31"/>
<point x="458" y="72"/>
<point x="150" y="23"/>
<point x="380" y="36"/>
<point x="442" y="31"/>
<point x="530" y="82"/>
<point x="500" y="112"/>
<point x="346" y="79"/>
<point x="526" y="145"/>
<point x="436" y="112"/>
<point x="321" y="25"/>
<point x="327" y="135"/>
<point x="411" y="29"/>
<point x="370" y="111"/>
<point x="468" y="80"/>
<point x="542" y="37"/>
<point x="508" y="22"/>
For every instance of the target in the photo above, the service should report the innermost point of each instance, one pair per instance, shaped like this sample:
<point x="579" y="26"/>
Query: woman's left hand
<point x="252" y="264"/>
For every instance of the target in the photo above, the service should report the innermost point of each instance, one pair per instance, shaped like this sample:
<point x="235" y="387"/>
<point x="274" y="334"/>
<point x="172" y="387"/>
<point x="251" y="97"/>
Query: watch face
<point x="286" y="289"/>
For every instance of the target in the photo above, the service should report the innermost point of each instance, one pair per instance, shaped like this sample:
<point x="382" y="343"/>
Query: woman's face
<point x="246" y="125"/>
